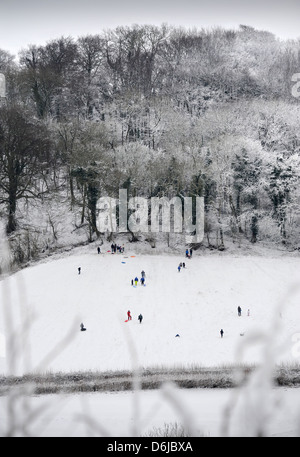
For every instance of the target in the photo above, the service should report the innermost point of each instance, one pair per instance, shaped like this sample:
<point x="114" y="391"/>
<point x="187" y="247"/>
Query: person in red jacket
<point x="129" y="315"/>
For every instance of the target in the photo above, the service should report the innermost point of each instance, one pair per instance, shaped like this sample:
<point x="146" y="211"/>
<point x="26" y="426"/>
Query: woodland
<point x="158" y="111"/>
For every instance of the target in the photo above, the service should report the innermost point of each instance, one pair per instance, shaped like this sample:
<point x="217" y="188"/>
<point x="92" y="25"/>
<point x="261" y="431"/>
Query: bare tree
<point x="24" y="147"/>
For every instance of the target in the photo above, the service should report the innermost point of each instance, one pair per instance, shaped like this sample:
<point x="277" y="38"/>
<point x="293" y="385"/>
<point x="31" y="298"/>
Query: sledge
<point x="126" y="320"/>
<point x="123" y="262"/>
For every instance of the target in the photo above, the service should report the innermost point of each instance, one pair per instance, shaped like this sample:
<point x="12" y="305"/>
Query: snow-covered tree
<point x="24" y="150"/>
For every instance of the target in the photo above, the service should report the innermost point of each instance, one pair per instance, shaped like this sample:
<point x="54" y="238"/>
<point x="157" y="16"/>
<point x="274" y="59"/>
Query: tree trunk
<point x="254" y="229"/>
<point x="83" y="204"/>
<point x="71" y="189"/>
<point x="12" y="205"/>
<point x="221" y="246"/>
<point x="236" y="213"/>
<point x="92" y="193"/>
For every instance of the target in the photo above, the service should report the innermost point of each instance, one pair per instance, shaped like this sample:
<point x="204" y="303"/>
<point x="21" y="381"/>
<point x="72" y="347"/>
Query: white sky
<point x="38" y="21"/>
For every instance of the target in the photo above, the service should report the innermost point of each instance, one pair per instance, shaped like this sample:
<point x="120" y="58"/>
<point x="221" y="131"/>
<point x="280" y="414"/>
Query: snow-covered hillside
<point x="42" y="308"/>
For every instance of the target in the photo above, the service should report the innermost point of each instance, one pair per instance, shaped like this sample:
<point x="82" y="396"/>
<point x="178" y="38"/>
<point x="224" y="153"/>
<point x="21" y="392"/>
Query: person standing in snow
<point x="239" y="311"/>
<point x="129" y="315"/>
<point x="143" y="274"/>
<point x="187" y="253"/>
<point x="79" y="270"/>
<point x="136" y="280"/>
<point x="221" y="332"/>
<point x="140" y="318"/>
<point x="143" y="281"/>
<point x="179" y="268"/>
<point x="82" y="328"/>
<point x="99" y="250"/>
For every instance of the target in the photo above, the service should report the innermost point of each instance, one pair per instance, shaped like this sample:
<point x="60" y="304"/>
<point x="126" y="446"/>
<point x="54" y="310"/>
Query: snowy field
<point x="43" y="305"/>
<point x="121" y="415"/>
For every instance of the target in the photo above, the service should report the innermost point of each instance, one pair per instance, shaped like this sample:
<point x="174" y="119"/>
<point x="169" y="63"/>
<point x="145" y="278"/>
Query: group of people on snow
<point x="239" y="311"/>
<point x="116" y="248"/>
<point x="181" y="265"/>
<point x="129" y="317"/>
<point x="188" y="253"/>
<point x="136" y="279"/>
<point x="135" y="282"/>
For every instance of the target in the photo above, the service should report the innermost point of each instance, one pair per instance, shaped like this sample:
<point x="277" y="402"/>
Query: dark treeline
<point x="160" y="111"/>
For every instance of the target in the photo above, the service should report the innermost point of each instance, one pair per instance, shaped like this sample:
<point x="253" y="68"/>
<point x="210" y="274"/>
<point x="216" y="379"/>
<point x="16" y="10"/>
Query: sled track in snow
<point x="53" y="383"/>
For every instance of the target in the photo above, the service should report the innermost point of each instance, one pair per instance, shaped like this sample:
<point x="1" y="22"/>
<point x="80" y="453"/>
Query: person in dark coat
<point x="239" y="311"/>
<point x="79" y="270"/>
<point x="82" y="328"/>
<point x="140" y="318"/>
<point x="221" y="332"/>
<point x="99" y="250"/>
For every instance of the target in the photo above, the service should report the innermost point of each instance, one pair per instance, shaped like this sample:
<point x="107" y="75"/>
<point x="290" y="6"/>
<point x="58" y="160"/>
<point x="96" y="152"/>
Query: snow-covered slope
<point x="42" y="308"/>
